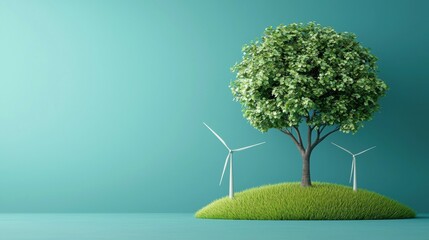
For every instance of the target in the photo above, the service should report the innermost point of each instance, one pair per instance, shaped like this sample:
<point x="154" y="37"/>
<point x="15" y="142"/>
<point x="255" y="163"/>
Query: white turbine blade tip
<point x="224" y="168"/>
<point x="342" y="148"/>
<point x="366" y="150"/>
<point x="243" y="148"/>
<point x="220" y="139"/>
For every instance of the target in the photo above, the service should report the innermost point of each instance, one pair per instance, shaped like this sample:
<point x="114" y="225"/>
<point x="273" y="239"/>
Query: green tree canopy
<point x="307" y="73"/>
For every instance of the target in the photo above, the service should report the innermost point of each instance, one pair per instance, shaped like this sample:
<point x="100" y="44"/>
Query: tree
<point x="310" y="76"/>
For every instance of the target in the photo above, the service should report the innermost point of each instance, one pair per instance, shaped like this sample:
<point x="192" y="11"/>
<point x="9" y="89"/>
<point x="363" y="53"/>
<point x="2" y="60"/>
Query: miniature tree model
<point x="306" y="73"/>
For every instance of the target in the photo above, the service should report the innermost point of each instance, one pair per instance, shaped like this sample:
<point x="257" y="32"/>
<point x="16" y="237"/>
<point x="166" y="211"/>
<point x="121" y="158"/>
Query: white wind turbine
<point x="353" y="170"/>
<point x="229" y="157"/>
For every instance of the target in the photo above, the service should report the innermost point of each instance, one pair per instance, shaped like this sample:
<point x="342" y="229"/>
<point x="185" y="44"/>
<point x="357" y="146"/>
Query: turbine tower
<point x="229" y="158"/>
<point x="353" y="170"/>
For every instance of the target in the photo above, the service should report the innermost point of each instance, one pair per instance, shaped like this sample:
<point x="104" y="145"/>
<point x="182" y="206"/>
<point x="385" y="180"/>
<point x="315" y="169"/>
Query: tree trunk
<point x="306" y="180"/>
<point x="306" y="152"/>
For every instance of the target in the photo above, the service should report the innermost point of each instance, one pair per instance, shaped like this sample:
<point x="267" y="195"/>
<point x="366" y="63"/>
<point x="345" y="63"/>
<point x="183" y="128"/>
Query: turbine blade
<point x="364" y="151"/>
<point x="342" y="148"/>
<point x="224" y="168"/>
<point x="223" y="142"/>
<point x="254" y="145"/>
<point x="351" y="171"/>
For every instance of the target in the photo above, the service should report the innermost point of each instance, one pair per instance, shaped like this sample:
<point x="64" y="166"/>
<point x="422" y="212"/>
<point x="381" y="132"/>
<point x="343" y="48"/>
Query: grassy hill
<point x="290" y="201"/>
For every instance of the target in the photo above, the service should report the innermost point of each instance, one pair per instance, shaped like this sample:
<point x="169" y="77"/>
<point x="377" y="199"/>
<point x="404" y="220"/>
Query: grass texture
<point x="290" y="201"/>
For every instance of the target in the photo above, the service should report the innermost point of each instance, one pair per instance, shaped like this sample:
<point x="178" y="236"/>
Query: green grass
<point x="290" y="201"/>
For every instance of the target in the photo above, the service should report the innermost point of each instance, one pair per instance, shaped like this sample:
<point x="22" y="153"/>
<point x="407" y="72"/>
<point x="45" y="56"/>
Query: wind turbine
<point x="353" y="170"/>
<point x="229" y="158"/>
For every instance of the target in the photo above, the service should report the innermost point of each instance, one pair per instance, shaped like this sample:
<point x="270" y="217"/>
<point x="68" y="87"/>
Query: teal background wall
<point x="102" y="103"/>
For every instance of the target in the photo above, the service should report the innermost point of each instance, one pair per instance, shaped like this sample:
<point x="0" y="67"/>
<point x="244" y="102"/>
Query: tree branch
<point x="319" y="131"/>
<point x="320" y="139"/>
<point x="309" y="133"/>
<point x="299" y="136"/>
<point x="289" y="133"/>
<point x="329" y="133"/>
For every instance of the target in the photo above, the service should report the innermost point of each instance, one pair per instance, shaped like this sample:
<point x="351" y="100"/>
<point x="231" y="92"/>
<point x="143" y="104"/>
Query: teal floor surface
<point x="185" y="226"/>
